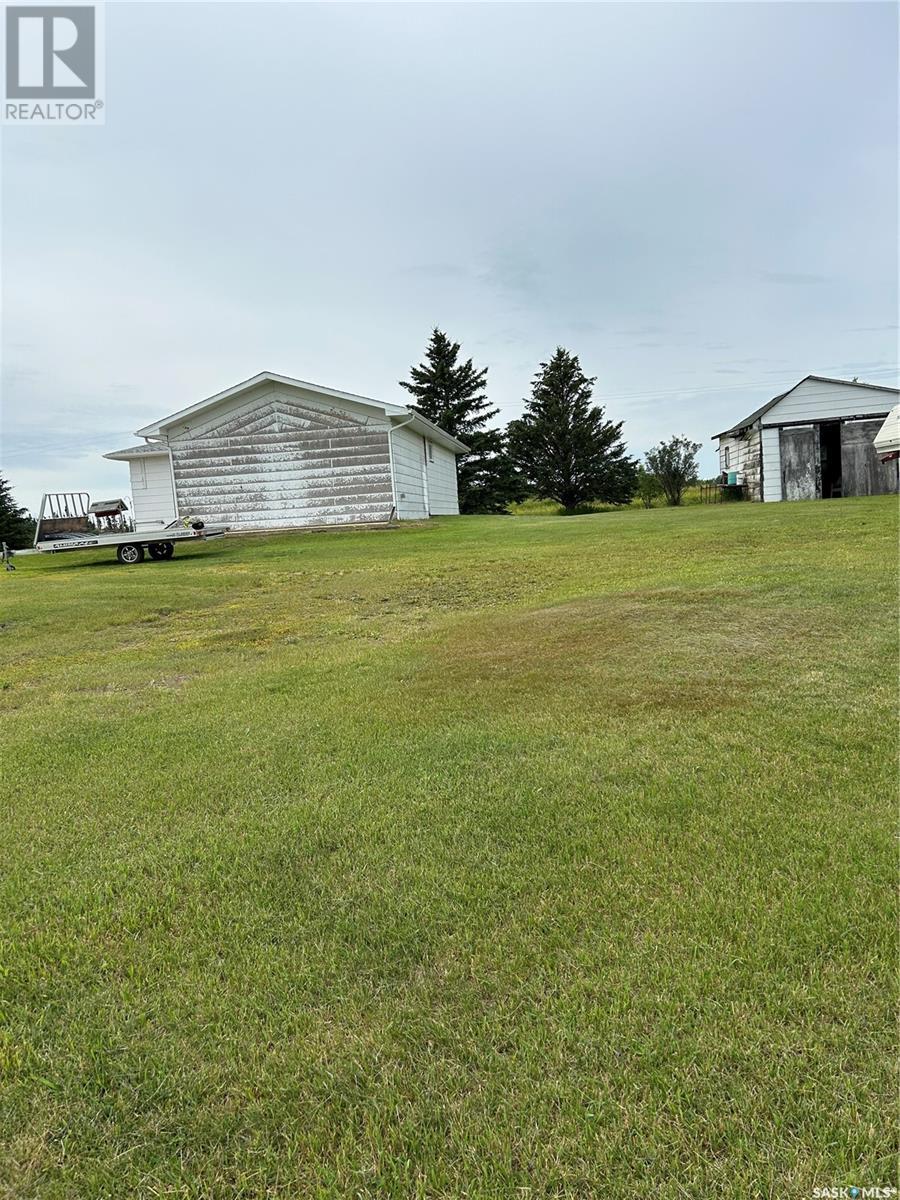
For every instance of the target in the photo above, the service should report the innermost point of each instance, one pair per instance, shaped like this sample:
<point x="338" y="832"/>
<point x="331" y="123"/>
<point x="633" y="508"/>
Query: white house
<point x="274" y="452"/>
<point x="812" y="442"/>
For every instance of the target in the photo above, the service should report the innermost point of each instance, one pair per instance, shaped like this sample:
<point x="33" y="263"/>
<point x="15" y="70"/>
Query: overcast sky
<point x="698" y="199"/>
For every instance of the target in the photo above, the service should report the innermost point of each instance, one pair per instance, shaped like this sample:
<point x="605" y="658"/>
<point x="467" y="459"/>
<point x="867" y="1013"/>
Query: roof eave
<point x="137" y="452"/>
<point x="434" y="431"/>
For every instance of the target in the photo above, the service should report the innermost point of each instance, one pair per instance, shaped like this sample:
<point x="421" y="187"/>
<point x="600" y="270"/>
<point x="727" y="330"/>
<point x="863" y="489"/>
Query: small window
<point x="430" y="452"/>
<point x="727" y="457"/>
<point x="138" y="473"/>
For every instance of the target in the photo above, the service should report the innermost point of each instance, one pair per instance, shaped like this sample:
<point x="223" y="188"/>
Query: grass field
<point x="494" y="857"/>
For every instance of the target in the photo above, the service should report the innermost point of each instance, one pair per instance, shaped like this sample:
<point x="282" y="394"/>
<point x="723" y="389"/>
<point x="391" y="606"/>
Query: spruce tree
<point x="564" y="447"/>
<point x="16" y="526"/>
<point x="453" y="395"/>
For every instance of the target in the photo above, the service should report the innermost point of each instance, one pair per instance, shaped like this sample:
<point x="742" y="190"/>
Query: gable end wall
<point x="280" y="458"/>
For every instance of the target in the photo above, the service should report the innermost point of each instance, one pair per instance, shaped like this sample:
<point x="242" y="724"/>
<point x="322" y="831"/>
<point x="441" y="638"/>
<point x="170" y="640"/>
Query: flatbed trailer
<point x="68" y="521"/>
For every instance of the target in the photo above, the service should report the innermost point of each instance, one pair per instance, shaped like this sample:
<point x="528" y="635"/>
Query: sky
<point x="700" y="200"/>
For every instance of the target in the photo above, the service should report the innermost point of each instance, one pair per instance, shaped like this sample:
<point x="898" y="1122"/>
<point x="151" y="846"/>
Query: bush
<point x="674" y="463"/>
<point x="648" y="487"/>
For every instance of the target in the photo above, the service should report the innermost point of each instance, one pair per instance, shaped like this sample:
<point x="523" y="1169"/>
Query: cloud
<point x="437" y="270"/>
<point x="880" y="365"/>
<point x="791" y="278"/>
<point x="514" y="272"/>
<point x="641" y="331"/>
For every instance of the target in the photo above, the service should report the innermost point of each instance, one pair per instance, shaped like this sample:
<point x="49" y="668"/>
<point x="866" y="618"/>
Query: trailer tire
<point x="160" y="551"/>
<point x="130" y="553"/>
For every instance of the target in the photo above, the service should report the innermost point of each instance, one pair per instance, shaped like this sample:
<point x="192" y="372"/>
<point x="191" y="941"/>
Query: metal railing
<point x="717" y="492"/>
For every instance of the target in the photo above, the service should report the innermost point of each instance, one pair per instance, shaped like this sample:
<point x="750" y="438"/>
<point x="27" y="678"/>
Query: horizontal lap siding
<point x="409" y="461"/>
<point x="277" y="460"/>
<point x="442" y="495"/>
<point x="815" y="401"/>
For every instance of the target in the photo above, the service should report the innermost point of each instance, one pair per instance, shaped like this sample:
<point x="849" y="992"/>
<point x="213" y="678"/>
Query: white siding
<point x="409" y="474"/>
<point x="442" y="496"/>
<point x="278" y="457"/>
<point x="814" y="400"/>
<point x="771" y="459"/>
<point x="744" y="457"/>
<point x="153" y="504"/>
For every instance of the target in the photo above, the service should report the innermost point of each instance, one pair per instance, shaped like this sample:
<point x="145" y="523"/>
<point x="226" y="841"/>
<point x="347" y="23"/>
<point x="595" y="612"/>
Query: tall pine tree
<point x="564" y="447"/>
<point x="16" y="526"/>
<point x="453" y="395"/>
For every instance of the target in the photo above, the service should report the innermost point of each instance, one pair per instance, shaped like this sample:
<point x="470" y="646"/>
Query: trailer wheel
<point x="161" y="550"/>
<point x="130" y="553"/>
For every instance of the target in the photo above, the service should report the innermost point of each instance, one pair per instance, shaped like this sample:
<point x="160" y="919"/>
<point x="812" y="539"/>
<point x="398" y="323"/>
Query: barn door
<point x="862" y="473"/>
<point x="801" y="477"/>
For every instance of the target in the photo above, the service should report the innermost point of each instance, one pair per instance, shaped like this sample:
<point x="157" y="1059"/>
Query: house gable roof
<point x="399" y="413"/>
<point x="761" y="412"/>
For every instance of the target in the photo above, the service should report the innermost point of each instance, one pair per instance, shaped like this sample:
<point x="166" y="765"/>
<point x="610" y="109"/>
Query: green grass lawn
<point x="493" y="857"/>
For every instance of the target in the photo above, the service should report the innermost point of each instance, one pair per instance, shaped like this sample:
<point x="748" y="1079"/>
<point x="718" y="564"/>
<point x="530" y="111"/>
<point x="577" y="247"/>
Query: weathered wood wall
<point x="862" y="474"/>
<point x="800" y="467"/>
<point x="745" y="456"/>
<point x="277" y="458"/>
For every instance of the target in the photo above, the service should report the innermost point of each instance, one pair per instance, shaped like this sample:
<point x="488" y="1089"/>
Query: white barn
<point x="275" y="452"/>
<point x="812" y="442"/>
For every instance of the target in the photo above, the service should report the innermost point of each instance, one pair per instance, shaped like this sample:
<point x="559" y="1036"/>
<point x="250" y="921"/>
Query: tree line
<point x="562" y="448"/>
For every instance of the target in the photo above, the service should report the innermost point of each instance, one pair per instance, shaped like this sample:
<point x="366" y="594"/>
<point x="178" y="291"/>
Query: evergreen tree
<point x="452" y="394"/>
<point x="488" y="482"/>
<point x="16" y="526"/>
<point x="564" y="447"/>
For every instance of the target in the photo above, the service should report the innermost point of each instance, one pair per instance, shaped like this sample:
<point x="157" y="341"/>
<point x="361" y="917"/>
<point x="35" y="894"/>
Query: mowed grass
<point x="494" y="857"/>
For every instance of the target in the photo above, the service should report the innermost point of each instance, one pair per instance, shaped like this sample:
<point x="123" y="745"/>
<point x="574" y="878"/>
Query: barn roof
<point x="401" y="411"/>
<point x="747" y="422"/>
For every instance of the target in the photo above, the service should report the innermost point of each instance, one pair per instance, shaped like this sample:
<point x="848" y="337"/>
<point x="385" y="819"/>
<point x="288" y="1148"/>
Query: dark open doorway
<point x="830" y="456"/>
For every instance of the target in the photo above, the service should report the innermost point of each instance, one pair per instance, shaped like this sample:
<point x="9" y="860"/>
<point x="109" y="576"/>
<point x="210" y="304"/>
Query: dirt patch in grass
<point x="665" y="650"/>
